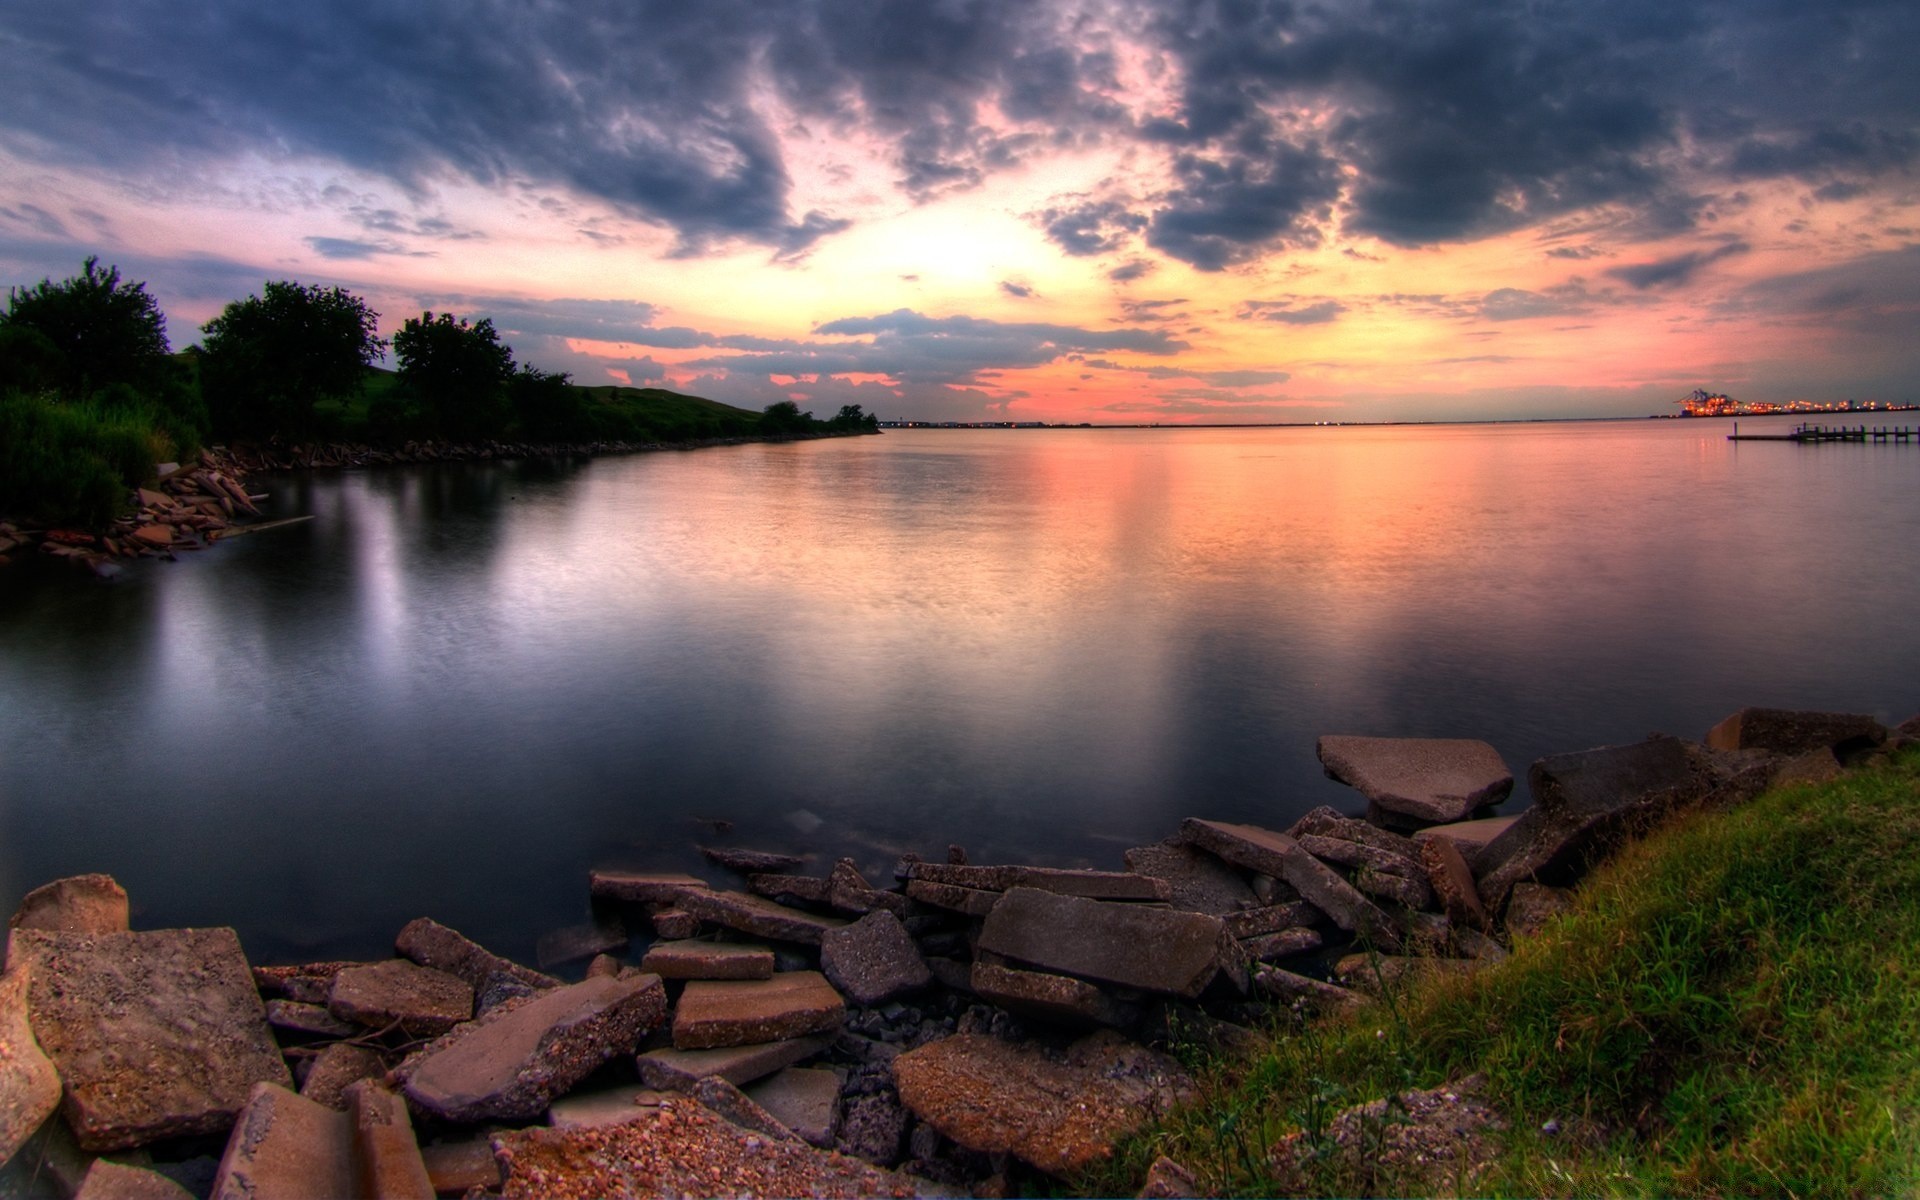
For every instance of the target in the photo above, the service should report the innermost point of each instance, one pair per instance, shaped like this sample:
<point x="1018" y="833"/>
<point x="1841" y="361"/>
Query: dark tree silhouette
<point x="103" y="331"/>
<point x="456" y="372"/>
<point x="268" y="359"/>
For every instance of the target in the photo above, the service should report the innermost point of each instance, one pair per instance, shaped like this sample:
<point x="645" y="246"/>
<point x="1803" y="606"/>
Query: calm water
<point x="461" y="687"/>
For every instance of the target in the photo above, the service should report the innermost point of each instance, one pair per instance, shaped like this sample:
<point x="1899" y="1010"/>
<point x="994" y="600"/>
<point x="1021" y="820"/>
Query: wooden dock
<point x="1807" y="434"/>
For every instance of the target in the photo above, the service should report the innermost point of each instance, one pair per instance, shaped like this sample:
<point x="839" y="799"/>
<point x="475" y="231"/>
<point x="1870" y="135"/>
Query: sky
<point x="1054" y="210"/>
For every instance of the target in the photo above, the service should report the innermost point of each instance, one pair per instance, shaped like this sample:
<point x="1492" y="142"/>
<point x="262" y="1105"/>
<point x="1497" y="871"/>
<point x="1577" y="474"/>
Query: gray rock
<point x="432" y="944"/>
<point x="1091" y="885"/>
<point x="1196" y="881"/>
<point x="637" y="887"/>
<point x="758" y="916"/>
<point x="29" y="1085"/>
<point x="1784" y="731"/>
<point x="708" y="960"/>
<point x="874" y="959"/>
<point x="679" y="1070"/>
<point x="804" y="1100"/>
<point x="417" y="1000"/>
<point x="1428" y="780"/>
<point x="714" y="1013"/>
<point x="283" y="1145"/>
<point x="1153" y="949"/>
<point x="873" y="1127"/>
<point x="76" y="904"/>
<point x="155" y="1035"/>
<point x="1051" y="997"/>
<point x="510" y="1063"/>
<point x="1278" y="855"/>
<point x="338" y="1068"/>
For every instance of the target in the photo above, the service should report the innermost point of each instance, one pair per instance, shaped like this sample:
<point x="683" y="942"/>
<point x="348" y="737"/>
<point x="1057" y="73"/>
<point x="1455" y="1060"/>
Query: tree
<point x="456" y="372"/>
<point x="103" y="330"/>
<point x="268" y="359"/>
<point x="547" y="406"/>
<point x="784" y="416"/>
<point x="851" y="417"/>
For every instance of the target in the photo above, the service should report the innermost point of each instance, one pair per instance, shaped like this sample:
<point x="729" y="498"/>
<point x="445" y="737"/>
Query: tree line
<point x="91" y="395"/>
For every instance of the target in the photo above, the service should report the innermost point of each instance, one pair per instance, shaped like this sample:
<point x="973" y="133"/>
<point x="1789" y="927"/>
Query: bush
<point x="74" y="464"/>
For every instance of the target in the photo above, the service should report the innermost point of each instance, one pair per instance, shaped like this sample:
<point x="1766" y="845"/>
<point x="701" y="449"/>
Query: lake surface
<point x="460" y="687"/>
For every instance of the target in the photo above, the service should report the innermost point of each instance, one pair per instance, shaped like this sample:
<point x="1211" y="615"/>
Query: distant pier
<point x="1833" y="433"/>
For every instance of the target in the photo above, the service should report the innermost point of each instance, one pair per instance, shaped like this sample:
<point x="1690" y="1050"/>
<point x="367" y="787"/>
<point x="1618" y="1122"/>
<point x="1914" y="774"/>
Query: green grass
<point x="74" y="463"/>
<point x="1733" y="1008"/>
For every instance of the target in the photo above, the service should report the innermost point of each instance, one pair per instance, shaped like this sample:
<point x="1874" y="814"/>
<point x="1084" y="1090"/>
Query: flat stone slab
<point x="1253" y="922"/>
<point x="810" y="888"/>
<point x="156" y="1034"/>
<point x="1057" y="1114"/>
<point x="432" y="944"/>
<point x="1154" y="949"/>
<point x="606" y="1106"/>
<point x="708" y="960"/>
<point x="973" y="902"/>
<point x="338" y="1068"/>
<point x="1278" y="855"/>
<point x="1052" y="997"/>
<point x="1469" y="837"/>
<point x="456" y="1168"/>
<point x="1426" y="779"/>
<point x="874" y="959"/>
<point x="1093" y="885"/>
<point x="29" y="1085"/>
<point x="76" y="904"/>
<point x="681" y="1148"/>
<point x="642" y="887"/>
<point x="849" y="891"/>
<point x="804" y="1099"/>
<point x="679" y="1070"/>
<point x="1196" y="881"/>
<point x="1284" y="943"/>
<point x="1786" y="731"/>
<point x="419" y="1001"/>
<point x="511" y="1063"/>
<point x="312" y="1019"/>
<point x="1452" y="882"/>
<point x="752" y="862"/>
<point x="1290" y="987"/>
<point x="757" y="916"/>
<point x="283" y="1145"/>
<point x="1325" y="822"/>
<point x="715" y="1013"/>
<point x="386" y="1157"/>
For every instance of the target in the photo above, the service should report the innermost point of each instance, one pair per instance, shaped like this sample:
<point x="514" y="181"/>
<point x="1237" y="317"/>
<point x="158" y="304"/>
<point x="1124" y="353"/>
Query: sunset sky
<point x="1156" y="210"/>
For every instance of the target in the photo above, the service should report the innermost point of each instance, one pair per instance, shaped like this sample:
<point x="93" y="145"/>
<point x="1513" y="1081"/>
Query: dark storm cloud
<point x="1677" y="269"/>
<point x="1091" y="227"/>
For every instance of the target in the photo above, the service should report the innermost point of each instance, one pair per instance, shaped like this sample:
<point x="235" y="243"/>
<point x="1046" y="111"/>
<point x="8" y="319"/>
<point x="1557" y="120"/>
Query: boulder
<point x="29" y="1085"/>
<point x="752" y="862"/>
<point x="510" y="1063"/>
<point x="757" y="916"/>
<point x="283" y="1145"/>
<point x="679" y="1070"/>
<point x="1452" y="882"/>
<point x="338" y="1068"/>
<point x="874" y="959"/>
<point x="1092" y="885"/>
<point x="715" y="1013"/>
<point x="76" y="904"/>
<point x="803" y="1099"/>
<point x="1057" y="1114"/>
<point x="680" y="1148"/>
<point x="157" y="1034"/>
<point x="708" y="960"/>
<point x="1419" y="780"/>
<point x="1785" y="731"/>
<point x="1196" y="881"/>
<point x="1280" y="856"/>
<point x="1153" y="949"/>
<point x="386" y="1158"/>
<point x="108" y="1180"/>
<point x="419" y="1001"/>
<point x="1050" y="997"/>
<point x="432" y="944"/>
<point x="637" y="887"/>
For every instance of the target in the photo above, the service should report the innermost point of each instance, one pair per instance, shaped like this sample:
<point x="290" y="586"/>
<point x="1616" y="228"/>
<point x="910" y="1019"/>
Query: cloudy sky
<point x="1104" y="210"/>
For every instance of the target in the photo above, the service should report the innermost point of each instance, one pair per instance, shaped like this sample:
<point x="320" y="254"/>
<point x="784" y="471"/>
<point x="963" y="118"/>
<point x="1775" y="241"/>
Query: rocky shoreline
<point x="961" y="1029"/>
<point x="191" y="506"/>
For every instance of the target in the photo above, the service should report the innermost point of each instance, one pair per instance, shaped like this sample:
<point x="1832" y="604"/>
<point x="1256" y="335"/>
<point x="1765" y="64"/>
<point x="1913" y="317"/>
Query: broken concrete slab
<point x="1278" y="855"/>
<point x="457" y="1168"/>
<point x="1408" y="890"/>
<point x="641" y="887"/>
<point x="1269" y="947"/>
<point x="757" y="916"/>
<point x="312" y="1019"/>
<point x="1052" y="997"/>
<point x="574" y="943"/>
<point x="29" y="1085"/>
<point x="386" y="1159"/>
<point x="1153" y="949"/>
<point x="1469" y="837"/>
<point x="1419" y="780"/>
<point x="1091" y="885"/>
<point x="337" y="1068"/>
<point x="1252" y="922"/>
<point x="432" y="944"/>
<point x="1325" y="822"/>
<point x="695" y="959"/>
<point x="874" y="959"/>
<point x="76" y="904"/>
<point x="1342" y="852"/>
<point x="805" y="1100"/>
<point x="849" y="891"/>
<point x="417" y="1000"/>
<point x="510" y="1063"/>
<point x="605" y="1106"/>
<point x="157" y="1034"/>
<point x="973" y="902"/>
<point x="1452" y="883"/>
<point x="679" y="1070"/>
<point x="726" y="1100"/>
<point x="1196" y="881"/>
<point x="1057" y="1114"/>
<point x="675" y="924"/>
<point x="752" y="862"/>
<point x="1786" y="731"/>
<point x="305" y="983"/>
<point x="1294" y="988"/>
<point x="808" y="889"/>
<point x="109" y="1180"/>
<point x="283" y="1145"/>
<point x="714" y="1013"/>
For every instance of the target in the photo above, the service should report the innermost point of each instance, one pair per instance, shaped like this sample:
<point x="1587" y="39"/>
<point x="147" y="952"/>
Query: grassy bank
<point x="1733" y="1008"/>
<point x="75" y="463"/>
